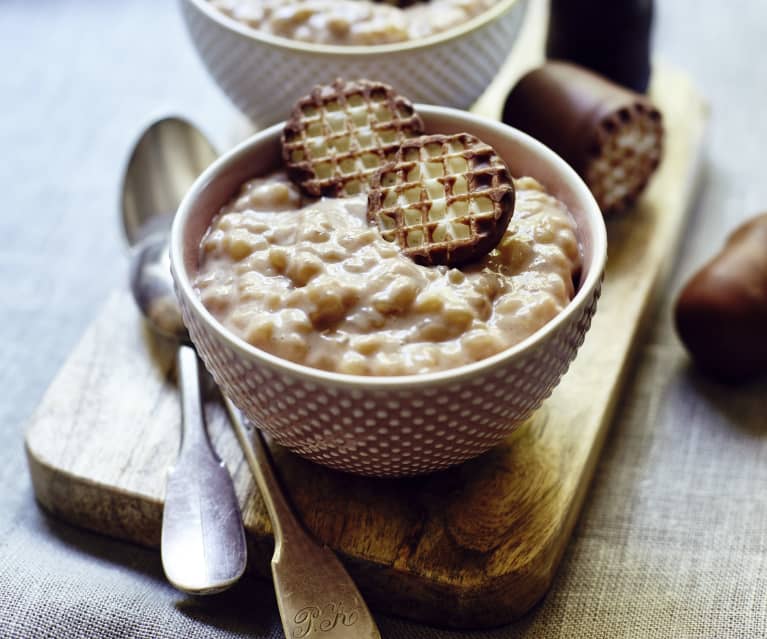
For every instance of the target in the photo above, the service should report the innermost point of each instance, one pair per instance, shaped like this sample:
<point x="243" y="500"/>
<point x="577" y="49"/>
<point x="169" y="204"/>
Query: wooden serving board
<point x="473" y="546"/>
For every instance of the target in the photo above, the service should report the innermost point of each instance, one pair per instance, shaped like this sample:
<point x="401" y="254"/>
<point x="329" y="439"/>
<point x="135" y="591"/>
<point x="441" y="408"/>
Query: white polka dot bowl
<point x="264" y="74"/>
<point x="390" y="426"/>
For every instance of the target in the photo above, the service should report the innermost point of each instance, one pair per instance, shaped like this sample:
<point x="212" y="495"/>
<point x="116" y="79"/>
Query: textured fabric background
<point x="672" y="541"/>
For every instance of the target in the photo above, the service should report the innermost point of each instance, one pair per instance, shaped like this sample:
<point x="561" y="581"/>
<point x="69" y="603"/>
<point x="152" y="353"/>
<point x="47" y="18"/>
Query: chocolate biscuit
<point x="341" y="133"/>
<point x="446" y="199"/>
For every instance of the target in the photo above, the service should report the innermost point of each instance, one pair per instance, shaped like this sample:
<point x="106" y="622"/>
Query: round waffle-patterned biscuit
<point x="341" y="133"/>
<point x="446" y="199"/>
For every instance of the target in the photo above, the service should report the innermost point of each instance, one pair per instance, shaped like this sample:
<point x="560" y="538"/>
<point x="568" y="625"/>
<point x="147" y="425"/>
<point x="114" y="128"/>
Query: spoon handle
<point x="314" y="591"/>
<point x="203" y="540"/>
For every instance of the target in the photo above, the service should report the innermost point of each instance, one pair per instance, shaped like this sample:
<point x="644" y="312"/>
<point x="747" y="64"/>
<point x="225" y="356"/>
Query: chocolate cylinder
<point x="611" y="136"/>
<point x="610" y="37"/>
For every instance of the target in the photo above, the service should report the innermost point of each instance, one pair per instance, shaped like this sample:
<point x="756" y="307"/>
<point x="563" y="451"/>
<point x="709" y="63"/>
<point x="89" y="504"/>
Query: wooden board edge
<point x="94" y="506"/>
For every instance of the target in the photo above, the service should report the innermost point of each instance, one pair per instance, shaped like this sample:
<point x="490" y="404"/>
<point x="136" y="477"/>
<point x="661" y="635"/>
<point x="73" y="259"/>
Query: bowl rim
<point x="417" y="380"/>
<point x="355" y="50"/>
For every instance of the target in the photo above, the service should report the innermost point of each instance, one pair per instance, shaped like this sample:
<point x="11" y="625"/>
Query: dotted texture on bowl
<point x="396" y="431"/>
<point x="264" y="80"/>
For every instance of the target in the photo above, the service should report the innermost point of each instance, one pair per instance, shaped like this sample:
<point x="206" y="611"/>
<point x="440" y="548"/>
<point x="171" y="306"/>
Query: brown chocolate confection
<point x="341" y="133"/>
<point x="610" y="37"/>
<point x="611" y="136"/>
<point x="446" y="199"/>
<point x="721" y="313"/>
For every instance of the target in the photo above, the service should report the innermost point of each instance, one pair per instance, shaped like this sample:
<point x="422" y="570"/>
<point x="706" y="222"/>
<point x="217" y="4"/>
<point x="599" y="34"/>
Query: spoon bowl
<point x="152" y="289"/>
<point x="165" y="161"/>
<point x="167" y="158"/>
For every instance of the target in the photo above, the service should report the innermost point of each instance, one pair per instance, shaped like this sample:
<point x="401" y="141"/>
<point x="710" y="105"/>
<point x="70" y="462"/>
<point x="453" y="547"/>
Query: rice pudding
<point x="351" y="22"/>
<point x="313" y="282"/>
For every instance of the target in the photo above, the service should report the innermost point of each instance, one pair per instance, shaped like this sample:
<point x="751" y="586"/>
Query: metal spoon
<point x="203" y="541"/>
<point x="314" y="592"/>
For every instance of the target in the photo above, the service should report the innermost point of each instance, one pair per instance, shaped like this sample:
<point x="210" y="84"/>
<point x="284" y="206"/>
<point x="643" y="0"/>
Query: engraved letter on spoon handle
<point x="314" y="592"/>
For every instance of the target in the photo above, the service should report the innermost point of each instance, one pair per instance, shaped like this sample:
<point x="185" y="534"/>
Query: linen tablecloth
<point x="672" y="540"/>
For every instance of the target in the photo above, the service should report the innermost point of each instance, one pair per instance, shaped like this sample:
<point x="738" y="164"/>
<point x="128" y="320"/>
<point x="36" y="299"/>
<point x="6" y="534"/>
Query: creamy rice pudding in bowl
<point x="351" y="354"/>
<point x="264" y="53"/>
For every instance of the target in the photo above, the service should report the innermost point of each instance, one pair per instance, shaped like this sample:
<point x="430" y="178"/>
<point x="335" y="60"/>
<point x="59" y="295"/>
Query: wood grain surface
<point x="473" y="546"/>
